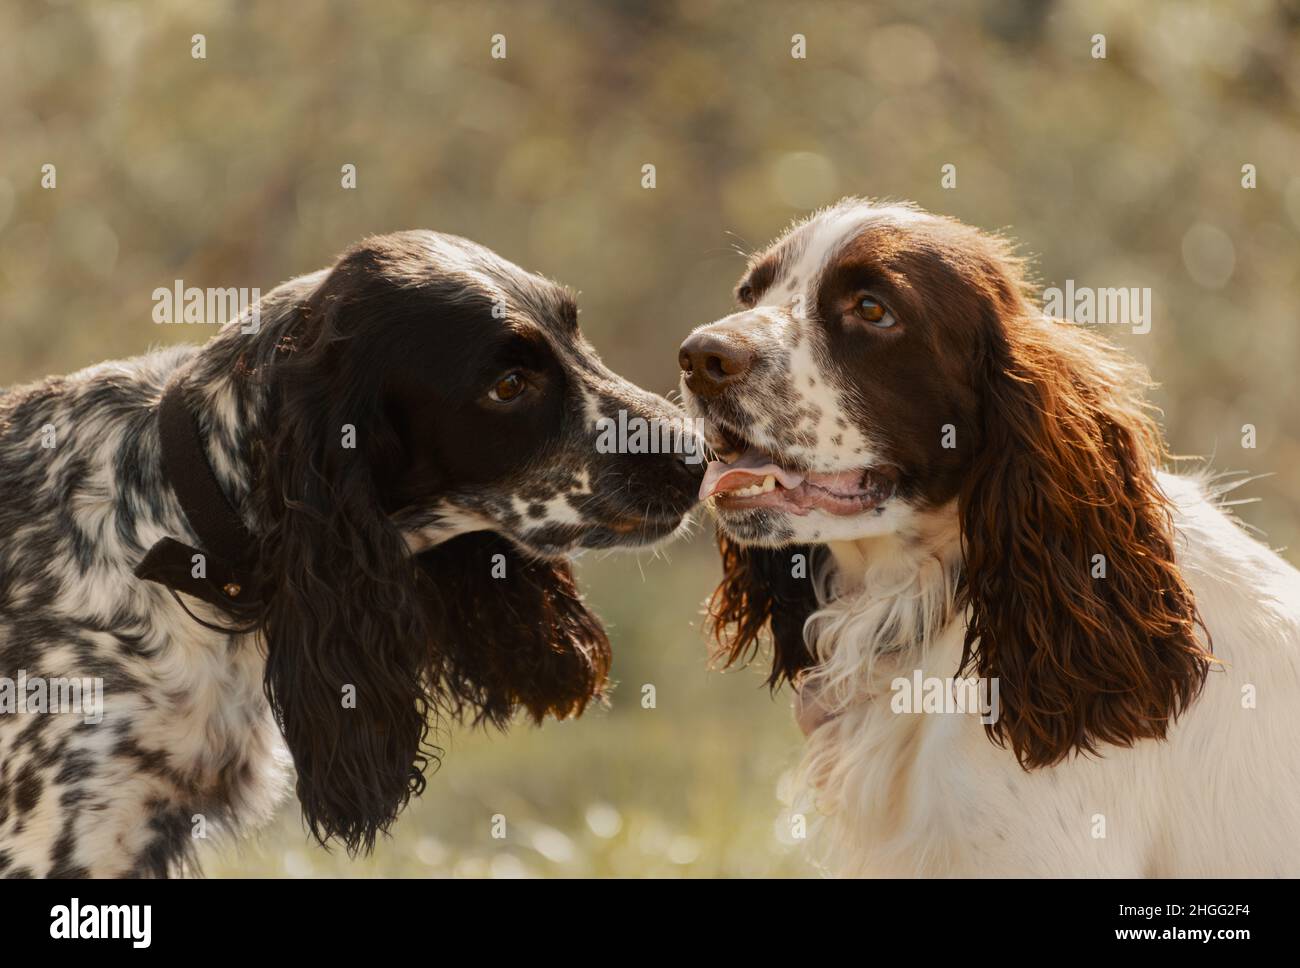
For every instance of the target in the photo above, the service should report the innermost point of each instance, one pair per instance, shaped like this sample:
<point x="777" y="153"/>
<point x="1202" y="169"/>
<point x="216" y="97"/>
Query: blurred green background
<point x="225" y="171"/>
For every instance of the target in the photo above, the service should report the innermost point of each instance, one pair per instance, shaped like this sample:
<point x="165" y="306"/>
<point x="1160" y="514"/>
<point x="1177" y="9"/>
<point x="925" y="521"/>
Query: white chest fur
<point x="927" y="794"/>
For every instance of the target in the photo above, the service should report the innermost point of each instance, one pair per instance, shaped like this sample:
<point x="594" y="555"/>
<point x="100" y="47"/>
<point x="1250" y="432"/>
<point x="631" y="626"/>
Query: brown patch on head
<point x="911" y="384"/>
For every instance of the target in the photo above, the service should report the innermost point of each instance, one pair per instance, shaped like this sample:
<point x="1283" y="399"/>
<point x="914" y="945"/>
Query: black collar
<point x="228" y="548"/>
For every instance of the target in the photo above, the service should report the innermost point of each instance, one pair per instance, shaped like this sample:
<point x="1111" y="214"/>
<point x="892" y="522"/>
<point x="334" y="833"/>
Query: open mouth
<point x="746" y="477"/>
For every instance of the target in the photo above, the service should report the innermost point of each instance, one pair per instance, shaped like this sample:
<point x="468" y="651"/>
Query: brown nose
<point x="712" y="362"/>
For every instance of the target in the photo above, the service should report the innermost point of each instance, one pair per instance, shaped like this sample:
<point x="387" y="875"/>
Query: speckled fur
<point x="188" y="745"/>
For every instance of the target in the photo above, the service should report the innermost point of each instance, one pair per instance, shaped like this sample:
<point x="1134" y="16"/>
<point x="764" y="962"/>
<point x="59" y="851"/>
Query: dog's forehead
<point x="476" y="270"/>
<point x="799" y="257"/>
<point x="477" y="265"/>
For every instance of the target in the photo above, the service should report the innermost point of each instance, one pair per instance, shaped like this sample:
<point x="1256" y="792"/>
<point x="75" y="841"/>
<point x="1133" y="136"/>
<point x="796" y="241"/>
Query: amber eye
<point x="874" y="313"/>
<point x="508" y="387"/>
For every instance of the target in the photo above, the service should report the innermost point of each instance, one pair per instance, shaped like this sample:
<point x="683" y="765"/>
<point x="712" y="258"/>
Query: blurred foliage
<point x="225" y="171"/>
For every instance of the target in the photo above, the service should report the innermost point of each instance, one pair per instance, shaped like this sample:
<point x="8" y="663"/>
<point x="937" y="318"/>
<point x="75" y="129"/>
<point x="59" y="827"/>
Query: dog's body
<point x="187" y="740"/>
<point x="922" y="479"/>
<point x="923" y="793"/>
<point x="372" y="429"/>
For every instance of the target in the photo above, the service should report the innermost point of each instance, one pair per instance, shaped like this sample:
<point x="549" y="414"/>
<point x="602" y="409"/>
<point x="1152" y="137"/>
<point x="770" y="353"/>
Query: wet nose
<point x="713" y="361"/>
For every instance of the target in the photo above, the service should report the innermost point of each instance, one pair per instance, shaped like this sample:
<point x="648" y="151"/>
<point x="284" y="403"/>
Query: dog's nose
<point x="713" y="361"/>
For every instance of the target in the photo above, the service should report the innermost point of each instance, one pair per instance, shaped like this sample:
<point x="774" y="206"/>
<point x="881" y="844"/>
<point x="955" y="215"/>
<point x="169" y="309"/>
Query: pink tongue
<point x="720" y="476"/>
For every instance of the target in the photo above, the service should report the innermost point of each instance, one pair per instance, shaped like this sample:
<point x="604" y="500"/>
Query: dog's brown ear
<point x="762" y="588"/>
<point x="1077" y="606"/>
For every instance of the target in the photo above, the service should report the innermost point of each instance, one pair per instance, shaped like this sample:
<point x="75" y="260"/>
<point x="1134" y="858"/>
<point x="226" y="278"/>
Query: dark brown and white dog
<point x="976" y="489"/>
<point x="409" y="439"/>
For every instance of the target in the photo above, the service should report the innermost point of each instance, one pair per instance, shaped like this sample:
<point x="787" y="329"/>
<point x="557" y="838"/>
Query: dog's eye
<point x="508" y="387"/>
<point x="877" y="315"/>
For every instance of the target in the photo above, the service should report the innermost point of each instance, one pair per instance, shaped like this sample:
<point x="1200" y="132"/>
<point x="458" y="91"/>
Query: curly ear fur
<point x="1066" y="471"/>
<point x="758" y="590"/>
<point x="350" y="614"/>
<point x="522" y="640"/>
<point x="347" y="640"/>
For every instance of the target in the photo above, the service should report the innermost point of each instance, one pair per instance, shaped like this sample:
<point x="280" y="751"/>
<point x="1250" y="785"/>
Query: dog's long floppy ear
<point x="345" y="621"/>
<point x="1076" y="604"/>
<point x="510" y="631"/>
<point x="762" y="588"/>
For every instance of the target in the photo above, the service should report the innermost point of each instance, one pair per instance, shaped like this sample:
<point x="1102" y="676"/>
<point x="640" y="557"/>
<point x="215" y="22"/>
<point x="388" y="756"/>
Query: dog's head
<point x="831" y="394"/>
<point x="431" y="451"/>
<point x="477" y="401"/>
<point x="888" y="375"/>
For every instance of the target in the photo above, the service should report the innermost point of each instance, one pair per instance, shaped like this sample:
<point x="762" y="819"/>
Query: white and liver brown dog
<point x="979" y="489"/>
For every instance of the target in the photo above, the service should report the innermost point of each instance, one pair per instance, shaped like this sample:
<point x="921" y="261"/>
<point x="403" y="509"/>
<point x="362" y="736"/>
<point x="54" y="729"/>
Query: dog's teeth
<point x="765" y="486"/>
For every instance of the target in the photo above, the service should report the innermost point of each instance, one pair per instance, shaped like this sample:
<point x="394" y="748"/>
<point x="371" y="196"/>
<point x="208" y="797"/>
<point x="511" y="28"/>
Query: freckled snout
<point x="714" y="359"/>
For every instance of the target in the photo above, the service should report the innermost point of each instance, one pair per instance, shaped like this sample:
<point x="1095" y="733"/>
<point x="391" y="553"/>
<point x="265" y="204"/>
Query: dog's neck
<point x="866" y="563"/>
<point x="230" y="383"/>
<point x="885" y="600"/>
